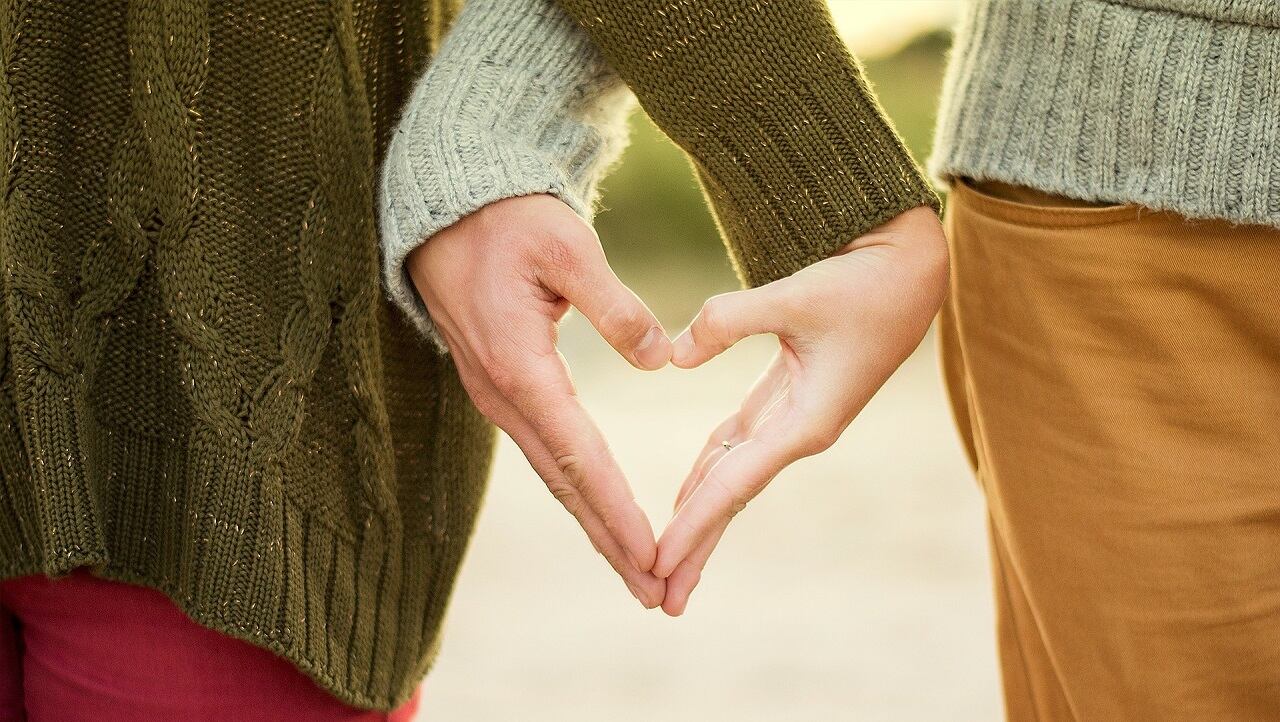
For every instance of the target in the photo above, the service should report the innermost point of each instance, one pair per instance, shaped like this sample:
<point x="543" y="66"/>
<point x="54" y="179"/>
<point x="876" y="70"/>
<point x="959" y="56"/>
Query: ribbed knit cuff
<point x="1106" y="101"/>
<point x="517" y="102"/>
<point x="792" y="149"/>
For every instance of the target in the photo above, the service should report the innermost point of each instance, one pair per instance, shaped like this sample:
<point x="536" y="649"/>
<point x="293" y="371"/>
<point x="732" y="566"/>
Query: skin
<point x="498" y="282"/>
<point x="843" y="325"/>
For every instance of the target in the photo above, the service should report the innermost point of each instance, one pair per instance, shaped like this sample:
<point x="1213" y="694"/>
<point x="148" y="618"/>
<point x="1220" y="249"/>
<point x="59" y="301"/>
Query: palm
<point x="496" y="284"/>
<point x="844" y="324"/>
<point x="768" y="405"/>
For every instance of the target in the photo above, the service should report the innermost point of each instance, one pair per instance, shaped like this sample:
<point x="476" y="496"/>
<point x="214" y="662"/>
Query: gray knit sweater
<point x="518" y="101"/>
<point x="1172" y="104"/>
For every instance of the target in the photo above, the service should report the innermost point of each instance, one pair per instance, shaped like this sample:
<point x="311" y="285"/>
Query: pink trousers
<point x="83" y="648"/>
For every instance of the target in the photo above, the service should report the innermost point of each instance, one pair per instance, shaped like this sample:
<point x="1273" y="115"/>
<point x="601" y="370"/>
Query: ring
<point x="727" y="446"/>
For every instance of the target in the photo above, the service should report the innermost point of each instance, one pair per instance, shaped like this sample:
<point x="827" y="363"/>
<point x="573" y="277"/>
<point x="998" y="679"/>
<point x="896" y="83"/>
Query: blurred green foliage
<point x="655" y="225"/>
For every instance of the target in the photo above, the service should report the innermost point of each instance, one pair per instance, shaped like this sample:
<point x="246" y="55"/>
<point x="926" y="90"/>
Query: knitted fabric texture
<point x="204" y="390"/>
<point x="794" y="154"/>
<point x="517" y="101"/>
<point x="204" y="387"/>
<point x="1171" y="104"/>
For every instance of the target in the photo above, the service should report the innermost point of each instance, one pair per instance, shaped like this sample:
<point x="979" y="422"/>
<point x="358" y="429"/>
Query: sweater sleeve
<point x="517" y="101"/>
<point x="792" y="149"/>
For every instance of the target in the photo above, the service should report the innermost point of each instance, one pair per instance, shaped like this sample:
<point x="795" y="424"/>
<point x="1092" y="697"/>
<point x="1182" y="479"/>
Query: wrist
<point x="915" y="240"/>
<point x="918" y="228"/>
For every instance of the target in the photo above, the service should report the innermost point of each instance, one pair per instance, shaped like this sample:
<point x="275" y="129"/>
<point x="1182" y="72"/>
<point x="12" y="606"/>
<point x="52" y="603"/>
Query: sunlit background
<point x="854" y="588"/>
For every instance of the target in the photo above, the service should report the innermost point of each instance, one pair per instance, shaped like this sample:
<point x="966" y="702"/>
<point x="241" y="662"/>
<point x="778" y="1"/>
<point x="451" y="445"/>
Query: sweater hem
<point x="318" y="674"/>
<point x="505" y="109"/>
<point x="1114" y="103"/>
<point x="353" y="603"/>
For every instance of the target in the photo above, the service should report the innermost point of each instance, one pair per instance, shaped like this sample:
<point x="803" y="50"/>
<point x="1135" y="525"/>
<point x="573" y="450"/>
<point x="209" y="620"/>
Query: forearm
<point x="793" y="151"/>
<point x="518" y="101"/>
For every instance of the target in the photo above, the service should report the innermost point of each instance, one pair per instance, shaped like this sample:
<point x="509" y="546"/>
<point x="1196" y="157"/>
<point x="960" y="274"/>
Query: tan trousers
<point x="1115" y="373"/>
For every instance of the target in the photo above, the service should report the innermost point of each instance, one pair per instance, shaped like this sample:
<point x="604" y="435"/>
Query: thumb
<point x="624" y="321"/>
<point x="723" y="321"/>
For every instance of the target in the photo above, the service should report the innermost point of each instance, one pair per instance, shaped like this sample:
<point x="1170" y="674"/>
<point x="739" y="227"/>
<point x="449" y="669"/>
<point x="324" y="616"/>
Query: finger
<point x="688" y="573"/>
<point x="709" y="455"/>
<point x="768" y="392"/>
<point x="646" y="587"/>
<point x="735" y="479"/>
<point x="616" y="312"/>
<point x="579" y="452"/>
<point x="707" y="460"/>
<point x="725" y="320"/>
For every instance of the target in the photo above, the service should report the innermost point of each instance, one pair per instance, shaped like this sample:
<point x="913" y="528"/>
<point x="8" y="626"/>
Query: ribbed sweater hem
<point x="209" y="618"/>
<point x="1104" y="101"/>
<point x="336" y="597"/>
<point x="517" y="102"/>
<point x="787" y="139"/>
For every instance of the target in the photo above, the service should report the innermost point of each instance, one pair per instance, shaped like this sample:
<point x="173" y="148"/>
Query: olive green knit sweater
<point x="203" y="387"/>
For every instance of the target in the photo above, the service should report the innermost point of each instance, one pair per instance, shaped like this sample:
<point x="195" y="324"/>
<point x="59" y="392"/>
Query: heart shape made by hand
<point x="498" y="282"/>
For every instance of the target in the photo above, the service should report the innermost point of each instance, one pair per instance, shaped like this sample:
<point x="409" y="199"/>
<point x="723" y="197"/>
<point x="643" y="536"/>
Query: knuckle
<point x="737" y="499"/>
<point x="791" y="303"/>
<point x="567" y="495"/>
<point x="481" y="398"/>
<point x="488" y="362"/>
<point x="610" y="520"/>
<point x="558" y="252"/>
<point x="714" y="321"/>
<point x="571" y="466"/>
<point x="501" y="372"/>
<point x="505" y="382"/>
<point x="688" y="529"/>
<point x="627" y="320"/>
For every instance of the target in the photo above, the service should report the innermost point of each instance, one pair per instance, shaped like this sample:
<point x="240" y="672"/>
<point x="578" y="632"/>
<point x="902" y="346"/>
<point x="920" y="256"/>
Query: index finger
<point x="643" y="584"/>
<point x="550" y="404"/>
<point x="735" y="479"/>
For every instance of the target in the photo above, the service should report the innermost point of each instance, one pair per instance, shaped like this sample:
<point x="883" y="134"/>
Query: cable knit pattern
<point x="204" y="388"/>
<point x="518" y="101"/>
<point x="1172" y="104"/>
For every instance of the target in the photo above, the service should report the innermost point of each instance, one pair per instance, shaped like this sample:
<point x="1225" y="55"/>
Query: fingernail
<point x="682" y="348"/>
<point x="653" y="351"/>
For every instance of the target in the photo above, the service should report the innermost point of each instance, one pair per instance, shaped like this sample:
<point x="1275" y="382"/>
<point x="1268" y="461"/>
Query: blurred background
<point x="854" y="588"/>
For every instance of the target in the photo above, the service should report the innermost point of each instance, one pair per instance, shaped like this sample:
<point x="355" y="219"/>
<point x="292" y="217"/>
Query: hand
<point x="496" y="284"/>
<point x="843" y="324"/>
